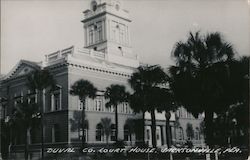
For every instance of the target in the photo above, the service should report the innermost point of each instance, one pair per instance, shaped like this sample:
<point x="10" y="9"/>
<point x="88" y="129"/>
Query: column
<point x="164" y="135"/>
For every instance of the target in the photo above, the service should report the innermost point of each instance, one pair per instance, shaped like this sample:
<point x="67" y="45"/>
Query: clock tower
<point x="107" y="29"/>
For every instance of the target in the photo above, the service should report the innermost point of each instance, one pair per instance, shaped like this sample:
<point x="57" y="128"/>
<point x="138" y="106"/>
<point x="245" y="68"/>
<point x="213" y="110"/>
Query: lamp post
<point x="168" y="132"/>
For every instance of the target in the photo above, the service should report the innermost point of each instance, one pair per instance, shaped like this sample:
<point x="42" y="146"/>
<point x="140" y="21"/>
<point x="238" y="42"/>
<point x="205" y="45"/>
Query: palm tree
<point x="116" y="94"/>
<point x="106" y="124"/>
<point x="137" y="99"/>
<point x="27" y="116"/>
<point x="83" y="89"/>
<point x="200" y="76"/>
<point x="136" y="102"/>
<point x="168" y="131"/>
<point x="148" y="83"/>
<point x="76" y="122"/>
<point x="40" y="80"/>
<point x="166" y="103"/>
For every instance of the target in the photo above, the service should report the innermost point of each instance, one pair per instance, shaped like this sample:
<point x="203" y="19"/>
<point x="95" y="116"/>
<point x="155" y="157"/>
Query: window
<point x="126" y="108"/>
<point x="110" y="109"/>
<point x="188" y="115"/>
<point x="55" y="133"/>
<point x="99" y="132"/>
<point x="80" y="105"/>
<point x="180" y="133"/>
<point x="113" y="130"/>
<point x="34" y="135"/>
<point x="32" y="99"/>
<point x="56" y="100"/>
<point x="157" y="134"/>
<point x="148" y="134"/>
<point x="3" y="110"/>
<point x="98" y="31"/>
<point x="197" y="134"/>
<point x="85" y="134"/>
<point x="126" y="133"/>
<point x="122" y="33"/>
<point x="91" y="34"/>
<point x="178" y="113"/>
<point x="98" y="105"/>
<point x="18" y="98"/>
<point x="2" y="115"/>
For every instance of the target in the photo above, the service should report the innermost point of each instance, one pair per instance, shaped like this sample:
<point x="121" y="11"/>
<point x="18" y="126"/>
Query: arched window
<point x="99" y="132"/>
<point x="127" y="134"/>
<point x="113" y="132"/>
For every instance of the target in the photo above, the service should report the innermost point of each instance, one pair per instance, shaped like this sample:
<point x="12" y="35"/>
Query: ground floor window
<point x="99" y="132"/>
<point x="148" y="134"/>
<point x="113" y="130"/>
<point x="84" y="134"/>
<point x="126" y="133"/>
<point x="180" y="133"/>
<point x="56" y="133"/>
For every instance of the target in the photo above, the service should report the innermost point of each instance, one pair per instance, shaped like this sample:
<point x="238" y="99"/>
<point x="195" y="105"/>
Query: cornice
<point x="98" y="69"/>
<point x="103" y="13"/>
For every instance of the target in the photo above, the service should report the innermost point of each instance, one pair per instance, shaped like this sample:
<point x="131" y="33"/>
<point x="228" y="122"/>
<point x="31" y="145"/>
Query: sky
<point x="31" y="29"/>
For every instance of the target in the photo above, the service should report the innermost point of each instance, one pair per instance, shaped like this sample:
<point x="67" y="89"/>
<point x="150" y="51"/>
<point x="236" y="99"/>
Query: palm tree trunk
<point x="83" y="118"/>
<point x="107" y="139"/>
<point x="116" y="123"/>
<point x="168" y="133"/>
<point x="153" y="128"/>
<point x="143" y="128"/>
<point x="209" y="127"/>
<point x="168" y="130"/>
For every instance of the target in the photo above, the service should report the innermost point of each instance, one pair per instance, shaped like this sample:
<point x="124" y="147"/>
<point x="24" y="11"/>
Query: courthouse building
<point x="106" y="59"/>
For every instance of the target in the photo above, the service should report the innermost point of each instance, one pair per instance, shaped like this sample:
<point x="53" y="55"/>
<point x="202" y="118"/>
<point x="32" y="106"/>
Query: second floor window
<point x="56" y="100"/>
<point x="18" y="98"/>
<point x="32" y="97"/>
<point x="98" y="105"/>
